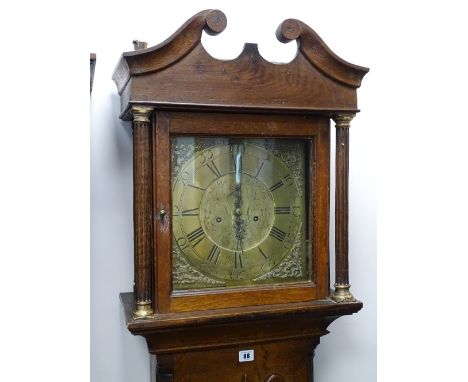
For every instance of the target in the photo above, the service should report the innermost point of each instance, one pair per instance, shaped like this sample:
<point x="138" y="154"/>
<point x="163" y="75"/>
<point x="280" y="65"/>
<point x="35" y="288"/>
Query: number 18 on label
<point x="246" y="355"/>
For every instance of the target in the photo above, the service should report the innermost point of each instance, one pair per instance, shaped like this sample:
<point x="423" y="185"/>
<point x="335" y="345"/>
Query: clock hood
<point x="315" y="81"/>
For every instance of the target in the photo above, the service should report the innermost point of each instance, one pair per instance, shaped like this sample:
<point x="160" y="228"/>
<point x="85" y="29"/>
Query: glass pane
<point x="240" y="209"/>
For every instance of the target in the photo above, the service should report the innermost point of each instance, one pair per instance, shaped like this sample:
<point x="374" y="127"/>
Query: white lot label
<point x="246" y="355"/>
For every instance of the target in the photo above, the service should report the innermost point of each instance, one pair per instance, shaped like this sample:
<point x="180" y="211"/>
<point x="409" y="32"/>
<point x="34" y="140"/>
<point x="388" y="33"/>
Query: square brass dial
<point x="240" y="211"/>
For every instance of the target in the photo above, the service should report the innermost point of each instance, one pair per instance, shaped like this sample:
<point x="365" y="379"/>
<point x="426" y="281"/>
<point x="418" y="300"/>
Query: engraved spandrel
<point x="184" y="274"/>
<point x="184" y="149"/>
<point x="292" y="156"/>
<point x="290" y="267"/>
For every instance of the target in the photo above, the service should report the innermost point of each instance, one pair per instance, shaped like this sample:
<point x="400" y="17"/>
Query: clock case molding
<point x="176" y="87"/>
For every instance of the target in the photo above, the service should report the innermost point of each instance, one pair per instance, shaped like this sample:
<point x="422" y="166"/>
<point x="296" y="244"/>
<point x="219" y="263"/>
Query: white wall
<point x="349" y="351"/>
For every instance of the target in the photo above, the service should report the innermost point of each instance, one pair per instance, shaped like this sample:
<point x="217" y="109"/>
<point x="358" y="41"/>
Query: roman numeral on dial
<point x="238" y="260"/>
<point x="191" y="212"/>
<point x="277" y="234"/>
<point x="211" y="165"/>
<point x="262" y="253"/>
<point x="276" y="186"/>
<point x="281" y="183"/>
<point x="282" y="210"/>
<point x="259" y="169"/>
<point x="214" y="254"/>
<point x="196" y="236"/>
<point x="196" y="187"/>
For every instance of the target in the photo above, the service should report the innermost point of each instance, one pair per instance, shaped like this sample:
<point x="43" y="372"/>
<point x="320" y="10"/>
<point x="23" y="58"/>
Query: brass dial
<point x="249" y="224"/>
<point x="237" y="211"/>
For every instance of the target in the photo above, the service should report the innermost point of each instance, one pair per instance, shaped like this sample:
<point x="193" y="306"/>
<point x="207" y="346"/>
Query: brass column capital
<point x="343" y="120"/>
<point x="142" y="113"/>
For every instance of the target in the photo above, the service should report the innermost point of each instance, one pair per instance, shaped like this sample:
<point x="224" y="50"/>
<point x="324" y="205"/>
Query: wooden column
<point x="342" y="293"/>
<point x="142" y="211"/>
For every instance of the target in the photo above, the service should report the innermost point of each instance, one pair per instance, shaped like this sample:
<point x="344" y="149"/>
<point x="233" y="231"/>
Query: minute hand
<point x="238" y="151"/>
<point x="239" y="222"/>
<point x="238" y="163"/>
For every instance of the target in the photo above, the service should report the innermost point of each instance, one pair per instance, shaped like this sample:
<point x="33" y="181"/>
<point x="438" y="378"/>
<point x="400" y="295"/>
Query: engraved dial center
<point x="225" y="225"/>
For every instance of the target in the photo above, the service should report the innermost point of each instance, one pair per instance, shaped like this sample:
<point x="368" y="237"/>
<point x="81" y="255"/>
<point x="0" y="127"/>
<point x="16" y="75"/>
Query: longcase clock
<point x="231" y="167"/>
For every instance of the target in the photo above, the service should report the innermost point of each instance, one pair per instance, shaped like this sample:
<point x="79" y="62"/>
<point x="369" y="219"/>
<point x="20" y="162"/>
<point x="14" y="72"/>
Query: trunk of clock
<point x="289" y="360"/>
<point x="205" y="345"/>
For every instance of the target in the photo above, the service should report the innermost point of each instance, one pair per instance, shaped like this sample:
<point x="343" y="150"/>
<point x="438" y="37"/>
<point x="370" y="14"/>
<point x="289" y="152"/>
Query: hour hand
<point x="240" y="245"/>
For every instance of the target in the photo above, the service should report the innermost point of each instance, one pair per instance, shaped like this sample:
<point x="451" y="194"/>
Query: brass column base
<point x="143" y="310"/>
<point x="342" y="293"/>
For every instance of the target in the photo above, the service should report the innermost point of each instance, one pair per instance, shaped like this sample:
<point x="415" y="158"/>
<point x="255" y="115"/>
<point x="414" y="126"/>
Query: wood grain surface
<point x="315" y="80"/>
<point x="142" y="211"/>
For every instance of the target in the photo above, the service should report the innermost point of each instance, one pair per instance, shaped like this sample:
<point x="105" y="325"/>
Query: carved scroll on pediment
<point x="319" y="54"/>
<point x="174" y="48"/>
<point x="179" y="71"/>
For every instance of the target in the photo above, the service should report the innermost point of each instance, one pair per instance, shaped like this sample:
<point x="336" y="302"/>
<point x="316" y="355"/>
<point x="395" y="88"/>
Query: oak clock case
<point x="231" y="165"/>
